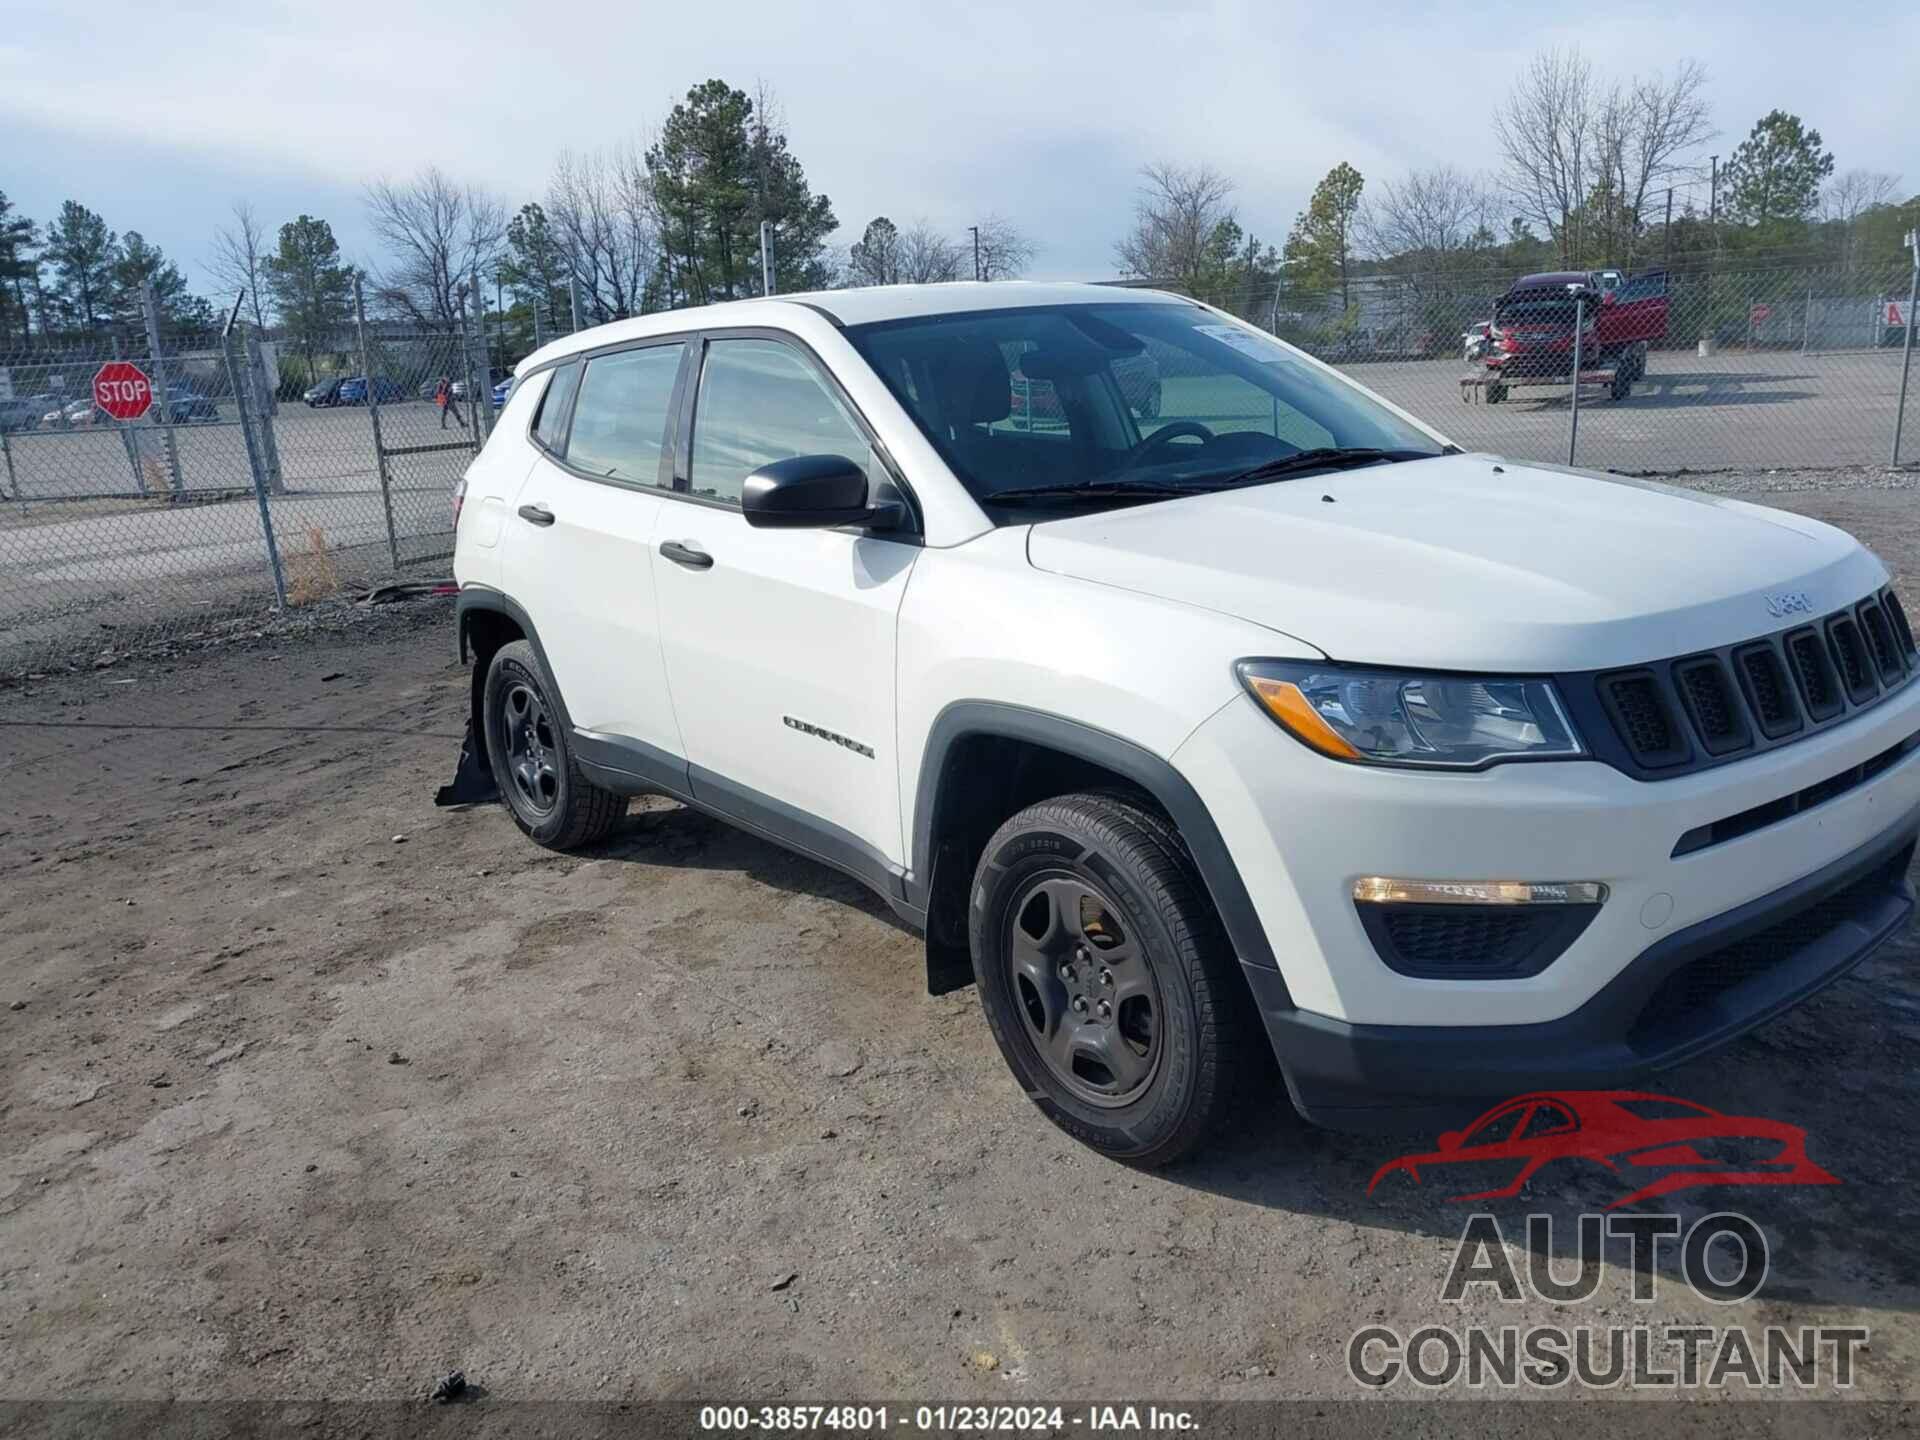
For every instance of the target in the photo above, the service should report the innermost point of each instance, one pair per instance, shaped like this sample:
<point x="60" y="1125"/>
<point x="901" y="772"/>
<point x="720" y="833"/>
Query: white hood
<point x="1469" y="562"/>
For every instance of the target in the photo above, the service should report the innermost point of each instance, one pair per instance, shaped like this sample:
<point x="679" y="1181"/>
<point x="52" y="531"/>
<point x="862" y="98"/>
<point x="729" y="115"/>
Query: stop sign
<point x="1762" y="314"/>
<point x="122" y="390"/>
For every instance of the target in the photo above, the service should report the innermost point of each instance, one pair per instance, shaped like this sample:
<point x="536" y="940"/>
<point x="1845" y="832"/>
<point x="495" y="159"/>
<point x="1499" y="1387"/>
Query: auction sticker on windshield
<point x="1246" y="342"/>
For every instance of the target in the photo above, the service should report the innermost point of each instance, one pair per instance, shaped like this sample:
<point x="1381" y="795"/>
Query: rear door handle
<point x="686" y="555"/>
<point x="536" y="514"/>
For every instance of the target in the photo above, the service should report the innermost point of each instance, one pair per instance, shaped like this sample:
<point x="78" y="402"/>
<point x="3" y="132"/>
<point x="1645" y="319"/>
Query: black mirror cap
<point x="811" y="492"/>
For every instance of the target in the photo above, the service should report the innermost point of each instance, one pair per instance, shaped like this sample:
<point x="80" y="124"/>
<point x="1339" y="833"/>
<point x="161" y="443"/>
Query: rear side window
<point x="620" y="420"/>
<point x="550" y="425"/>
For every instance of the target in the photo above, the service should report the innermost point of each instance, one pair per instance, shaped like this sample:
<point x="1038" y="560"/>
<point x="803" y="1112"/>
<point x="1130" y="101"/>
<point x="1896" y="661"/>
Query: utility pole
<point x="976" y="250"/>
<point x="766" y="257"/>
<point x="1667" y="257"/>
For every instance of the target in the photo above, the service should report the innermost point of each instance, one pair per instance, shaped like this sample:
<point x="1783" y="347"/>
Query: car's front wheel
<point x="1108" y="980"/>
<point x="546" y="792"/>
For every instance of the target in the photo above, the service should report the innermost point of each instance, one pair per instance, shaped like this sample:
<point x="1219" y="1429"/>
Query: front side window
<point x="620" y="420"/>
<point x="760" y="401"/>
<point x="1108" y="403"/>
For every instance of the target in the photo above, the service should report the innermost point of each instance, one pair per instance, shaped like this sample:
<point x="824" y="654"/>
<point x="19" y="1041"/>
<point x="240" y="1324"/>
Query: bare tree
<point x="437" y="233"/>
<point x="1178" y="210"/>
<point x="1852" y="193"/>
<point x="1583" y="159"/>
<point x="601" y="207"/>
<point x="1644" y="130"/>
<point x="927" y="257"/>
<point x="1545" y="131"/>
<point x="239" y="258"/>
<point x="1005" y="250"/>
<point x="1426" y="217"/>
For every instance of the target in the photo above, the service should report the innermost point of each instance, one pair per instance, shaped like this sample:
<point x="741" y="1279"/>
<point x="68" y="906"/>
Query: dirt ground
<point x="314" y="1089"/>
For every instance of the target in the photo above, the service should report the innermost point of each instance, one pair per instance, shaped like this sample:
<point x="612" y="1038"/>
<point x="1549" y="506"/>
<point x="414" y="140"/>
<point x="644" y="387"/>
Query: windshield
<point x="1125" y="397"/>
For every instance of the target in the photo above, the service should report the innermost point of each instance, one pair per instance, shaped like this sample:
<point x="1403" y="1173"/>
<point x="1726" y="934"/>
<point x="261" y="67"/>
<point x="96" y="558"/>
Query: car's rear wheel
<point x="532" y="757"/>
<point x="1107" y="978"/>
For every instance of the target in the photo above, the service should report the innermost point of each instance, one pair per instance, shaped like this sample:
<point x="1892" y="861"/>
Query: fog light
<point x="1380" y="890"/>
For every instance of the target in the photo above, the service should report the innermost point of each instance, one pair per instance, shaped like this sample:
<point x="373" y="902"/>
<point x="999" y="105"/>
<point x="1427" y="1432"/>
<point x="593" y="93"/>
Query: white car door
<point x="780" y="643"/>
<point x="581" y="561"/>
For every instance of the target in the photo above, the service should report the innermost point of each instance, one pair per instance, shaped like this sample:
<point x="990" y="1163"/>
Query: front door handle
<point x="536" y="514"/>
<point x="686" y="555"/>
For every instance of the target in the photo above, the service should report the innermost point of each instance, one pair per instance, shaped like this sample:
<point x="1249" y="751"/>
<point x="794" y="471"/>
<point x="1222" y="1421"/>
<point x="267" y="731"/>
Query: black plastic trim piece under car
<point x="1392" y="1077"/>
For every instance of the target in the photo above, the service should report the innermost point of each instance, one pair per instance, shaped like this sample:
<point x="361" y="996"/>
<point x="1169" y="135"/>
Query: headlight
<point x="1399" y="717"/>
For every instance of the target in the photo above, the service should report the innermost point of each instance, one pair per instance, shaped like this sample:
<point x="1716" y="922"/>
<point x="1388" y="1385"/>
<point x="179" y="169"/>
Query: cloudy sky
<point x="160" y="115"/>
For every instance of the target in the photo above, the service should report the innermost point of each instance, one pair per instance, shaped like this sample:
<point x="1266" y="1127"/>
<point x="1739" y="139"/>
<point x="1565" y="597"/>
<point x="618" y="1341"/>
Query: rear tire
<point x="532" y="758"/>
<point x="1107" y="979"/>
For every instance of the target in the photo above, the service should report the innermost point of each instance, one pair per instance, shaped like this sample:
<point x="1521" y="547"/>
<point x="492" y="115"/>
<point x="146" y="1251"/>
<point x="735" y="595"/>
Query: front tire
<point x="1107" y="978"/>
<point x="531" y="755"/>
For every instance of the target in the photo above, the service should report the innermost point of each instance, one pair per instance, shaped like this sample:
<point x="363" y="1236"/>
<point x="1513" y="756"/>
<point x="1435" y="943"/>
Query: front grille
<point x="1471" y="942"/>
<point x="1672" y="1007"/>
<point x="1701" y="710"/>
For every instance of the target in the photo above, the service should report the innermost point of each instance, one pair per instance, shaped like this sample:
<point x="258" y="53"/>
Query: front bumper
<point x="1681" y="997"/>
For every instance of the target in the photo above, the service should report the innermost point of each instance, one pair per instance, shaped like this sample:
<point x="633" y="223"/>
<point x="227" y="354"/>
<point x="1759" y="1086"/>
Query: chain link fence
<point x="1711" y="368"/>
<point x="266" y="473"/>
<point x="276" y="471"/>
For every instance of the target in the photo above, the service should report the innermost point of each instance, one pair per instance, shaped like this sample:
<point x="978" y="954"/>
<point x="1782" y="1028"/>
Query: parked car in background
<point x="23" y="412"/>
<point x="327" y="392"/>
<point x="69" y="414"/>
<point x="185" y="405"/>
<point x="494" y="377"/>
<point x="353" y="391"/>
<point x="501" y="391"/>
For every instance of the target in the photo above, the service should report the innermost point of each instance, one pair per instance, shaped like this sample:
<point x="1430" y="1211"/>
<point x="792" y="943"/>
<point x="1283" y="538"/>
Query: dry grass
<point x="310" y="573"/>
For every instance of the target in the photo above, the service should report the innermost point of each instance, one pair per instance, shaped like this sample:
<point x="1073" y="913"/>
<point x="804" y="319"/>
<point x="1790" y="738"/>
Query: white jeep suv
<point x="1269" y="721"/>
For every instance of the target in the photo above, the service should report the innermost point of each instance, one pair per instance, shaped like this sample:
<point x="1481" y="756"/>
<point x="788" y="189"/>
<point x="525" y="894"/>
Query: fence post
<point x="466" y="366"/>
<point x="264" y="397"/>
<point x="254" y="462"/>
<point x="13" y="480"/>
<point x="1906" y="347"/>
<point x="573" y="299"/>
<point x="484" y="400"/>
<point x="1806" y="326"/>
<point x="373" y="414"/>
<point x="161" y="412"/>
<point x="1579" y="324"/>
<point x="125" y="432"/>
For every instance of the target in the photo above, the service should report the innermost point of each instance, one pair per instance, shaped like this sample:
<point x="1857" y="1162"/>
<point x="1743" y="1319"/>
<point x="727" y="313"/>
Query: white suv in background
<point x="1269" y="714"/>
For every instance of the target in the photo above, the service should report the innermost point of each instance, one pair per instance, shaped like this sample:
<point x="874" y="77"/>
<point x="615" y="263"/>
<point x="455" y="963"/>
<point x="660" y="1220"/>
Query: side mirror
<point x="812" y="492"/>
<point x="1450" y="1140"/>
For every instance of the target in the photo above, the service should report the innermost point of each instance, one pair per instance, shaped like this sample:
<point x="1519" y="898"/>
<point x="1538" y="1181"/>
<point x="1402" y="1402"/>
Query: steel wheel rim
<point x="533" y="753"/>
<point x="1083" y="991"/>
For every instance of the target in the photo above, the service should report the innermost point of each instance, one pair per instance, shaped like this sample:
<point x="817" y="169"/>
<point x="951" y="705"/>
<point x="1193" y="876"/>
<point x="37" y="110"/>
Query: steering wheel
<point x="1173" y="430"/>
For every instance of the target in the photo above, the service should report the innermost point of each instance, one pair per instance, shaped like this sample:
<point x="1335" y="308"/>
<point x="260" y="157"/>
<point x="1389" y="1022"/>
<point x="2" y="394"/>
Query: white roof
<point x="852" y="307"/>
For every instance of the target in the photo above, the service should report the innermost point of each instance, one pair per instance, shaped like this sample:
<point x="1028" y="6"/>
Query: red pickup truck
<point x="1532" y="330"/>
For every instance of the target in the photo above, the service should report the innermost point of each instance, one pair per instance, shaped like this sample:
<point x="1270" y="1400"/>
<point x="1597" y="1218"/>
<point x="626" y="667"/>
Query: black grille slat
<point x="1897" y="613"/>
<point x="1850" y="658"/>
<point x="1769" y="692"/>
<point x="1881" y="644"/>
<point x="1813" y="672"/>
<point x="1644" y="719"/>
<point x="1718" y="718"/>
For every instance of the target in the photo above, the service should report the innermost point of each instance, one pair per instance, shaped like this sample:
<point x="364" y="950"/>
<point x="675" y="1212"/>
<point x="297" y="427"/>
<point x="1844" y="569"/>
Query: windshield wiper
<point x="1095" y="490"/>
<point x="1323" y="457"/>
